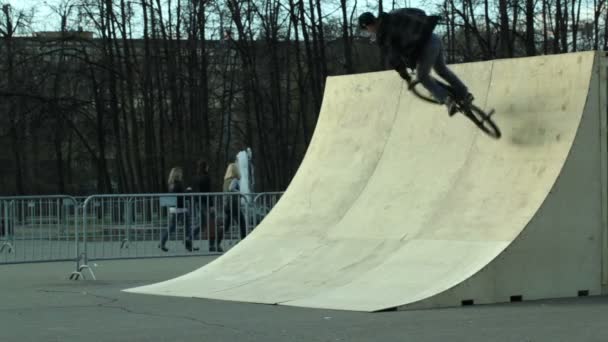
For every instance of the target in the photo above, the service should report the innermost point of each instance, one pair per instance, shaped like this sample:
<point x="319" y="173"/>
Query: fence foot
<point x="7" y="245"/>
<point x="82" y="264"/>
<point x="80" y="274"/>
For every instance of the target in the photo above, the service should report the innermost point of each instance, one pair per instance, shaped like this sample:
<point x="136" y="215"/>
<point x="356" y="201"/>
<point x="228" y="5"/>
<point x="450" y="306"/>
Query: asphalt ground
<point x="39" y="303"/>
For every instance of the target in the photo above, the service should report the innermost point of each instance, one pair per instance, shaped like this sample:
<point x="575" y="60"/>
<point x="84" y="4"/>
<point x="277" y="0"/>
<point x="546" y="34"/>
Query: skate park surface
<point x="398" y="206"/>
<point x="40" y="304"/>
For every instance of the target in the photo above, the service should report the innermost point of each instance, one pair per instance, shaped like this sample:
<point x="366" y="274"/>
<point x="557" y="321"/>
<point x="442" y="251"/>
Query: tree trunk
<point x="575" y="22"/>
<point x="314" y="65"/>
<point x="15" y="131"/>
<point x="486" y="7"/>
<point x="132" y="150"/>
<point x="513" y="31"/>
<point x="545" y="30"/>
<point x="504" y="29"/>
<point x="301" y="78"/>
<point x="310" y="60"/>
<point x="557" y="27"/>
<point x="564" y="28"/>
<point x="530" y="41"/>
<point x="606" y="32"/>
<point x="149" y="180"/>
<point x="112" y="69"/>
<point x="322" y="53"/>
<point x="348" y="55"/>
<point x="468" y="51"/>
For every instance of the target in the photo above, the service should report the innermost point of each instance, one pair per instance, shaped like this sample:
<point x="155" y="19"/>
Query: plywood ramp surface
<point x="398" y="205"/>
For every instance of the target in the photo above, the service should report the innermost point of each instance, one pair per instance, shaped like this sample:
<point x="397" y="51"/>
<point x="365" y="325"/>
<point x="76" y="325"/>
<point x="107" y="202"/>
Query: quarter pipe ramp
<point x="396" y="205"/>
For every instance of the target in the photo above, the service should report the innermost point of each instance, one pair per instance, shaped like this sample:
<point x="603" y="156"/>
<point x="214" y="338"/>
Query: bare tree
<point x="505" y="31"/>
<point x="10" y="22"/>
<point x="346" y="39"/>
<point x="530" y="28"/>
<point x="597" y="7"/>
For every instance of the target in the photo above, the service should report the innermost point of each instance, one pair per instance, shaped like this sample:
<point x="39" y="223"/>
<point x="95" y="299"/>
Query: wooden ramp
<point x="396" y="205"/>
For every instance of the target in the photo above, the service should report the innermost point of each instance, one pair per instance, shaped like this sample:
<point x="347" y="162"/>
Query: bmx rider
<point x="407" y="40"/>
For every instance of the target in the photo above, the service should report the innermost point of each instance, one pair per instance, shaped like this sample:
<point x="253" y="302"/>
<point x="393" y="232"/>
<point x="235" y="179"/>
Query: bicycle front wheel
<point x="483" y="120"/>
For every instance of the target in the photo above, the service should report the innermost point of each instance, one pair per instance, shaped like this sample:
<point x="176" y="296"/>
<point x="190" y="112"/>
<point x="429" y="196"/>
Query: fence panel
<point x="142" y="225"/>
<point x="38" y="228"/>
<point x="63" y="228"/>
<point x="262" y="204"/>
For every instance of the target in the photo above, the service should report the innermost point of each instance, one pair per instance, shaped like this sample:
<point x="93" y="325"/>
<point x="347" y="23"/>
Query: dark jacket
<point x="402" y="34"/>
<point x="203" y="184"/>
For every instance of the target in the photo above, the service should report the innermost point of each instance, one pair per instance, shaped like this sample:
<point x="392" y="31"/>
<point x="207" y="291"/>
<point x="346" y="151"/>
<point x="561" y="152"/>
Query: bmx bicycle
<point x="480" y="118"/>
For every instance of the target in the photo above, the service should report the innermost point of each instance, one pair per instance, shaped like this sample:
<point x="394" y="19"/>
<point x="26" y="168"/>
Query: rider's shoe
<point x="469" y="99"/>
<point x="450" y="103"/>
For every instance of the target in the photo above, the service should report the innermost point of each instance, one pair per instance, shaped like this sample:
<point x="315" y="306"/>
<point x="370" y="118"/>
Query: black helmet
<point x="366" y="19"/>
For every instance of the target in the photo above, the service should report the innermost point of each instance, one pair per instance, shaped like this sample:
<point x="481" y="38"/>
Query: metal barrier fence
<point x="34" y="229"/>
<point x="158" y="225"/>
<point x="262" y="204"/>
<point x="64" y="228"/>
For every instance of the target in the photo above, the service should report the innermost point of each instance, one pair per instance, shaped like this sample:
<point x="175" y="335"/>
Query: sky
<point x="46" y="20"/>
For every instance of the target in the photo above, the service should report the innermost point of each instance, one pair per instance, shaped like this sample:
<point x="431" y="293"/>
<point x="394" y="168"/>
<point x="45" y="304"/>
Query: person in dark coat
<point x="406" y="39"/>
<point x="207" y="208"/>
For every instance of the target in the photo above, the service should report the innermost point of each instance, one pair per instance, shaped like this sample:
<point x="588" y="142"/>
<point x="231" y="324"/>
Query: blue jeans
<point x="173" y="225"/>
<point x="431" y="57"/>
